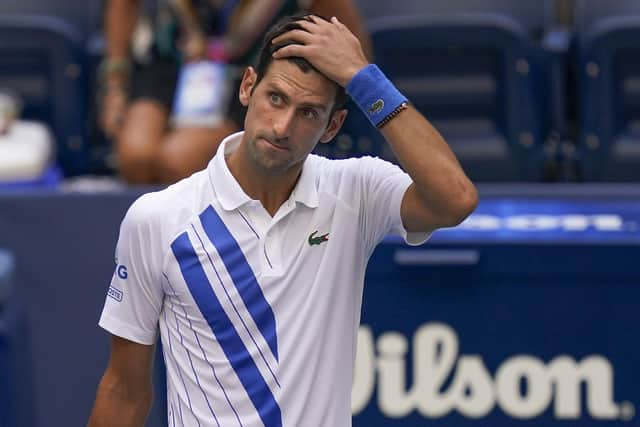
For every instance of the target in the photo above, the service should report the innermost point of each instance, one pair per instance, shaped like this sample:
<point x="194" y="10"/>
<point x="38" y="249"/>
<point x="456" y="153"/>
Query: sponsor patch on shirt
<point x="122" y="271"/>
<point x="115" y="293"/>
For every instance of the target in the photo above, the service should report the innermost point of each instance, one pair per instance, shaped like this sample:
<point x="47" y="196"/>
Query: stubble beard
<point x="270" y="164"/>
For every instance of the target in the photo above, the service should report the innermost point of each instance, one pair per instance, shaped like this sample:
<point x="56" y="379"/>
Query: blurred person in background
<point x="168" y="103"/>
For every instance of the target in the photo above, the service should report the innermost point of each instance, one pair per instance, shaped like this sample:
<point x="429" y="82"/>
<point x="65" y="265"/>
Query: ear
<point x="335" y="123"/>
<point x="246" y="86"/>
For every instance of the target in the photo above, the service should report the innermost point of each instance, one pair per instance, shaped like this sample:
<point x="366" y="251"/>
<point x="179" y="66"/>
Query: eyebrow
<point x="320" y="107"/>
<point x="275" y="88"/>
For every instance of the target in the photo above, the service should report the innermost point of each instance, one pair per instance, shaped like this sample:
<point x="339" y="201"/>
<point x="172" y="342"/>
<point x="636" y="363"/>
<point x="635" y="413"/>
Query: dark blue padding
<point x="42" y="59"/>
<point x="609" y="107"/>
<point x="6" y="274"/>
<point x="588" y="13"/>
<point x="84" y="15"/>
<point x="462" y="73"/>
<point x="7" y="392"/>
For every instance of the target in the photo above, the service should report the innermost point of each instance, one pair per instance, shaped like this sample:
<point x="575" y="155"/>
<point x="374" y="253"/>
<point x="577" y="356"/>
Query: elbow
<point x="462" y="206"/>
<point x="117" y="388"/>
<point x="467" y="203"/>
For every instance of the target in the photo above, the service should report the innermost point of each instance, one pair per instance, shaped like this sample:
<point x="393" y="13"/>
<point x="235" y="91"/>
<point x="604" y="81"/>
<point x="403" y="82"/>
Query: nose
<point x="282" y="123"/>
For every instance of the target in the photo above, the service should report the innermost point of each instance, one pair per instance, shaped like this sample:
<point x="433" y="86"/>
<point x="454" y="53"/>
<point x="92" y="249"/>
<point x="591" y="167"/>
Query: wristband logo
<point x="376" y="107"/>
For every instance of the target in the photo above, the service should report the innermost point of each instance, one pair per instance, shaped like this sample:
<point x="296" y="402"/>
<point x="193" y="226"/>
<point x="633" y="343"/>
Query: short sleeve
<point x="135" y="295"/>
<point x="383" y="188"/>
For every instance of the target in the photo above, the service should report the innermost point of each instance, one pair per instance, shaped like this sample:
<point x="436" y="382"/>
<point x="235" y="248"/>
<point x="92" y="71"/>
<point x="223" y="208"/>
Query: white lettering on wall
<point x="568" y="222"/>
<point x="524" y="387"/>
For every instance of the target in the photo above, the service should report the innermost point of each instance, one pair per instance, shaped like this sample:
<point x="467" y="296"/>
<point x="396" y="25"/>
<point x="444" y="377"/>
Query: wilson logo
<point x="444" y="381"/>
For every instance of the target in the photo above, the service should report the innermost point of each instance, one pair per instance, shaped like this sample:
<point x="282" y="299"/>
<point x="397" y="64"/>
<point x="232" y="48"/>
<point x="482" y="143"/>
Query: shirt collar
<point x="306" y="190"/>
<point x="228" y="191"/>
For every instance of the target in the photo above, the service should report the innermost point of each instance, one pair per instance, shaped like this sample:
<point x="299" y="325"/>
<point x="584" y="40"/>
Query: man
<point x="253" y="269"/>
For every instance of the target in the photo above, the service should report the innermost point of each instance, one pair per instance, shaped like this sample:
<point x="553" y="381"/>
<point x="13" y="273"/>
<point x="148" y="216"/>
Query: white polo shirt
<point x="258" y="315"/>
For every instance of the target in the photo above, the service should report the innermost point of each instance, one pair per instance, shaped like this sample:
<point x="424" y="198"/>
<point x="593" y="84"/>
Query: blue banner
<point x="524" y="315"/>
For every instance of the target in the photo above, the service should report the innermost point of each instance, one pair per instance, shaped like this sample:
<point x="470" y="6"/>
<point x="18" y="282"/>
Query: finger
<point x="336" y="21"/>
<point x="314" y="23"/>
<point x="307" y="24"/>
<point x="290" y="51"/>
<point x="314" y="19"/>
<point x="300" y="36"/>
<point x="342" y="27"/>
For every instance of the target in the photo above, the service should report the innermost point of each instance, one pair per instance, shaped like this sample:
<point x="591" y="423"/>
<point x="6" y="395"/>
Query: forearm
<point x="438" y="177"/>
<point x="441" y="194"/>
<point x="121" y="17"/>
<point x="117" y="405"/>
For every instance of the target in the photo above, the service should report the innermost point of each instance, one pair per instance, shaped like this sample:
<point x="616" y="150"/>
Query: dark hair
<point x="265" y="55"/>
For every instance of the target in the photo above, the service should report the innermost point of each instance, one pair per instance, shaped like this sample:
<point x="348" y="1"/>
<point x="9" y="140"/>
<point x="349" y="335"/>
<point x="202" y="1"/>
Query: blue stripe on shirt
<point x="225" y="333"/>
<point x="242" y="276"/>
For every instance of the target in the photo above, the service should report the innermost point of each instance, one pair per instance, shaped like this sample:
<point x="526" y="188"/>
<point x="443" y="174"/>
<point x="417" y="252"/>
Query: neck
<point x="270" y="189"/>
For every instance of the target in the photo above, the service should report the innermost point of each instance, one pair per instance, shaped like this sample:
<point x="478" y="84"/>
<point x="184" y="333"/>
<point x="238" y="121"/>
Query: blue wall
<point x="539" y="285"/>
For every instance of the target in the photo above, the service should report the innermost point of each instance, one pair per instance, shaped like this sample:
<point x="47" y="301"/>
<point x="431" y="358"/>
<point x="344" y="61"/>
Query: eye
<point x="309" y="113"/>
<point x="275" y="98"/>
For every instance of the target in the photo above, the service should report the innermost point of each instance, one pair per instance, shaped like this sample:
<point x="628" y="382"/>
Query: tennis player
<point x="252" y="270"/>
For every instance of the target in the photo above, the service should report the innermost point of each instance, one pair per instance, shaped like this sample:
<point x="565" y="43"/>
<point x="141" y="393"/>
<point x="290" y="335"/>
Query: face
<point x="288" y="113"/>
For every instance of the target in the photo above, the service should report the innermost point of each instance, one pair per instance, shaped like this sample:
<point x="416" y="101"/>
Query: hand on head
<point x="328" y="45"/>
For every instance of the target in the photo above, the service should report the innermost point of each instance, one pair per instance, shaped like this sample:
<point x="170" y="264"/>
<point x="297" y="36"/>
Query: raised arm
<point x="125" y="391"/>
<point x="441" y="195"/>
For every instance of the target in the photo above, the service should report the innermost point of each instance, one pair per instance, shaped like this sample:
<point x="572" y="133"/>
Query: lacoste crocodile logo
<point x="313" y="240"/>
<point x="376" y="107"/>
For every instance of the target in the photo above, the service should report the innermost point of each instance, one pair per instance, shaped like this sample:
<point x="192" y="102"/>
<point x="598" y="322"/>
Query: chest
<point x="290" y="254"/>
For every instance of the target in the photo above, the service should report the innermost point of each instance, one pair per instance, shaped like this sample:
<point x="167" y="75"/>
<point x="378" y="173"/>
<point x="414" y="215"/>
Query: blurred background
<point x="526" y="314"/>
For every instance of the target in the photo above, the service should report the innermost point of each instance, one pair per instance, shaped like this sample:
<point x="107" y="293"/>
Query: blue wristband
<point x="374" y="93"/>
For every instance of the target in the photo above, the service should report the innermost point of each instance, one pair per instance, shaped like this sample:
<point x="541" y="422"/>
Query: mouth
<point x="275" y="145"/>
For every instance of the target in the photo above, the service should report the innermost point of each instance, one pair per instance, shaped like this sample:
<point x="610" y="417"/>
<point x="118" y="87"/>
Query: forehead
<point x="298" y="85"/>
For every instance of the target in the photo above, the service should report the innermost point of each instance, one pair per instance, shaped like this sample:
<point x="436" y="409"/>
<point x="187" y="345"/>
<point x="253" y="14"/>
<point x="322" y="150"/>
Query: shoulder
<point x="359" y="179"/>
<point x="352" y="168"/>
<point x="161" y="208"/>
